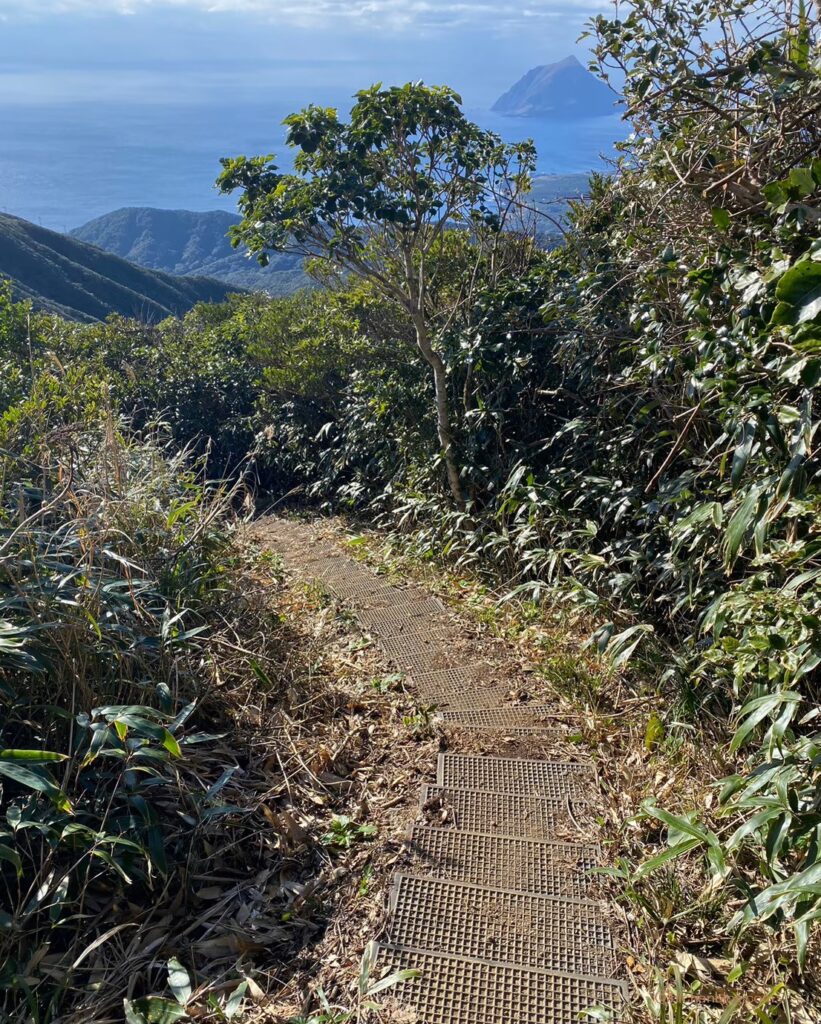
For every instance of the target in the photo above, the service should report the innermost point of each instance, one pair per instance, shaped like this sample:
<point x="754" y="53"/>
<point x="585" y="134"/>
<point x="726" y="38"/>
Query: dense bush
<point x="673" y="477"/>
<point x="117" y="580"/>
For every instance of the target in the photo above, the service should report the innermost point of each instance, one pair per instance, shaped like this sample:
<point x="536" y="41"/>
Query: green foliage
<point x="385" y="184"/>
<point x="632" y="418"/>
<point x="186" y="375"/>
<point x="635" y="417"/>
<point x="374" y="197"/>
<point x="114" y="558"/>
<point x="344" y="832"/>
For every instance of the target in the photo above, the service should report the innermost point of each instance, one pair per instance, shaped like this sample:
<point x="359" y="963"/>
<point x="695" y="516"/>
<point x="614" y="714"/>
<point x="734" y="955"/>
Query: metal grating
<point x="456" y="988"/>
<point x="282" y="535"/>
<point x="294" y="551"/>
<point x="320" y="553"/>
<point x="414" y="652"/>
<point x="354" y="588"/>
<point x="469" y="699"/>
<point x="462" y="688"/>
<point x="530" y="817"/>
<point x="549" y="869"/>
<point x="517" y="719"/>
<point x="507" y="927"/>
<point x="305" y="546"/>
<point x="479" y="673"/>
<point x="402" y="618"/>
<point x="550" y="779"/>
<point x="333" y="567"/>
<point x="325" y="570"/>
<point x="395" y="596"/>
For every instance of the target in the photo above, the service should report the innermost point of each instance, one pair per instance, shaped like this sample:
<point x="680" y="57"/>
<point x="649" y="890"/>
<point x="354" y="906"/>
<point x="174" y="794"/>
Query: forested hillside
<point x="188" y="243"/>
<point x="62" y="275"/>
<point x="617" y="439"/>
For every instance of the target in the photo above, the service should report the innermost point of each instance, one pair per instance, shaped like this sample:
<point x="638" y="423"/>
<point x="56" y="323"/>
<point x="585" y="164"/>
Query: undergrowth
<point x="181" y="779"/>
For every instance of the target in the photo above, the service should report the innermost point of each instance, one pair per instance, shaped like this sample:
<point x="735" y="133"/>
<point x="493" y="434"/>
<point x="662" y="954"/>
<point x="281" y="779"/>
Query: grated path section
<point x="516" y="720"/>
<point x="460" y="990"/>
<point x="494" y="924"/>
<point x="550" y="779"/>
<point x="533" y="865"/>
<point x="468" y="687"/>
<point x="493" y="908"/>
<point x="403" y="618"/>
<point x="509" y="814"/>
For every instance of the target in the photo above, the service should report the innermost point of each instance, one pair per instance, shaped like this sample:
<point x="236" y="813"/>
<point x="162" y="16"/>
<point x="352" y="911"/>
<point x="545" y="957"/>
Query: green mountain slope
<point x="184" y="242"/>
<point x="79" y="281"/>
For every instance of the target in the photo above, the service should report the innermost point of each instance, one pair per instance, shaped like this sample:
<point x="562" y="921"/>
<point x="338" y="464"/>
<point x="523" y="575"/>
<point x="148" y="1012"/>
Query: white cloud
<point x="369" y="14"/>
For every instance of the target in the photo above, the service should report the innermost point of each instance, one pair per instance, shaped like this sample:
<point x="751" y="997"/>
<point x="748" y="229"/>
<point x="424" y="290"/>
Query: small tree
<point x="375" y="195"/>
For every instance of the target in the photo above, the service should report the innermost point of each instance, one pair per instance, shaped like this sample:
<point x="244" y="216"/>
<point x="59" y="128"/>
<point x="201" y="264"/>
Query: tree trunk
<point x="434" y="360"/>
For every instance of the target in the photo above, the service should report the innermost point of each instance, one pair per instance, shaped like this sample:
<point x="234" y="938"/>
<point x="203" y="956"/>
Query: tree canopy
<point x="375" y="195"/>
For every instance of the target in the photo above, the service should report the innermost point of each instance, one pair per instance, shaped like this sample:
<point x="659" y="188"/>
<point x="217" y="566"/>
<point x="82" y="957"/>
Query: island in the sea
<point x="564" y="90"/>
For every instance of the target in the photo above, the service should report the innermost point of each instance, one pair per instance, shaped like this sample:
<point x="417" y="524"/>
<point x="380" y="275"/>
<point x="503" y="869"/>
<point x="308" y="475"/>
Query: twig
<point x="674" y="449"/>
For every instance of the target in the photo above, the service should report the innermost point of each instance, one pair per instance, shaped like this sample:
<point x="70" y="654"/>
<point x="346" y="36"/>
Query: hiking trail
<point x="495" y="911"/>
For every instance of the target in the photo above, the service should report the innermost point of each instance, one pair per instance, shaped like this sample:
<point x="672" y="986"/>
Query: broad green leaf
<point x="235" y="1000"/>
<point x="678" y="824"/>
<point x="171" y="744"/>
<point x="179" y="981"/>
<point x="755" y="711"/>
<point x="721" y="218"/>
<point x="799" y="294"/>
<point x="39" y="780"/>
<point x="621" y="647"/>
<point x="654" y="732"/>
<point x="11" y="857"/>
<point x="132" y="1015"/>
<point x="158" y="1010"/>
<point x="740" y="523"/>
<point x="741" y="456"/>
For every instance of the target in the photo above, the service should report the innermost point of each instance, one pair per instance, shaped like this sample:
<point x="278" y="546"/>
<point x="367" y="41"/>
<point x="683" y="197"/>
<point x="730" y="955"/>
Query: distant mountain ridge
<point x="564" y="90"/>
<point x="188" y="242"/>
<point x="73" y="279"/>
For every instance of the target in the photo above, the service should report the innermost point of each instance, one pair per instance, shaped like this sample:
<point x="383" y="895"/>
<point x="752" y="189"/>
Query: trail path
<point x="495" y="912"/>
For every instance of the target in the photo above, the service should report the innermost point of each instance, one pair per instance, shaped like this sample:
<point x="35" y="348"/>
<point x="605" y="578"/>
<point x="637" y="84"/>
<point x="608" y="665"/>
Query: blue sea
<point x="64" y="161"/>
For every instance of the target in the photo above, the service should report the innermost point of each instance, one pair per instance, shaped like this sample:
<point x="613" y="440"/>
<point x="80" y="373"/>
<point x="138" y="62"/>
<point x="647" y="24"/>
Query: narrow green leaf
<point x="671" y="853"/>
<point x="32" y="756"/>
<point x="393" y="979"/>
<point x="38" y="780"/>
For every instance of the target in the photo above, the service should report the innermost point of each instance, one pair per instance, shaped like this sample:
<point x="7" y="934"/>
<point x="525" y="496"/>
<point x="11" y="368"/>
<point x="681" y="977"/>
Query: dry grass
<point x="353" y="748"/>
<point x="271" y="903"/>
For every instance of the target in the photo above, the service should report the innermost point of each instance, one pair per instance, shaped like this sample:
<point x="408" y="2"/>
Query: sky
<point x="477" y="46"/>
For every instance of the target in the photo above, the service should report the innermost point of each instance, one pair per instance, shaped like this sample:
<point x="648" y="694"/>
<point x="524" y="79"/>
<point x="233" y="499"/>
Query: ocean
<point x="63" y="162"/>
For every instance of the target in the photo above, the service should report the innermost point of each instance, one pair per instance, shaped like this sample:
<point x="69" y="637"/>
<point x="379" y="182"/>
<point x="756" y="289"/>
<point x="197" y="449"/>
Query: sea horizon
<point x="66" y="161"/>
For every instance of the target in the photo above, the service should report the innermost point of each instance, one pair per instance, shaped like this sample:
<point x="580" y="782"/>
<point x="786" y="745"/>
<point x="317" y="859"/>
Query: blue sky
<point x="477" y="46"/>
